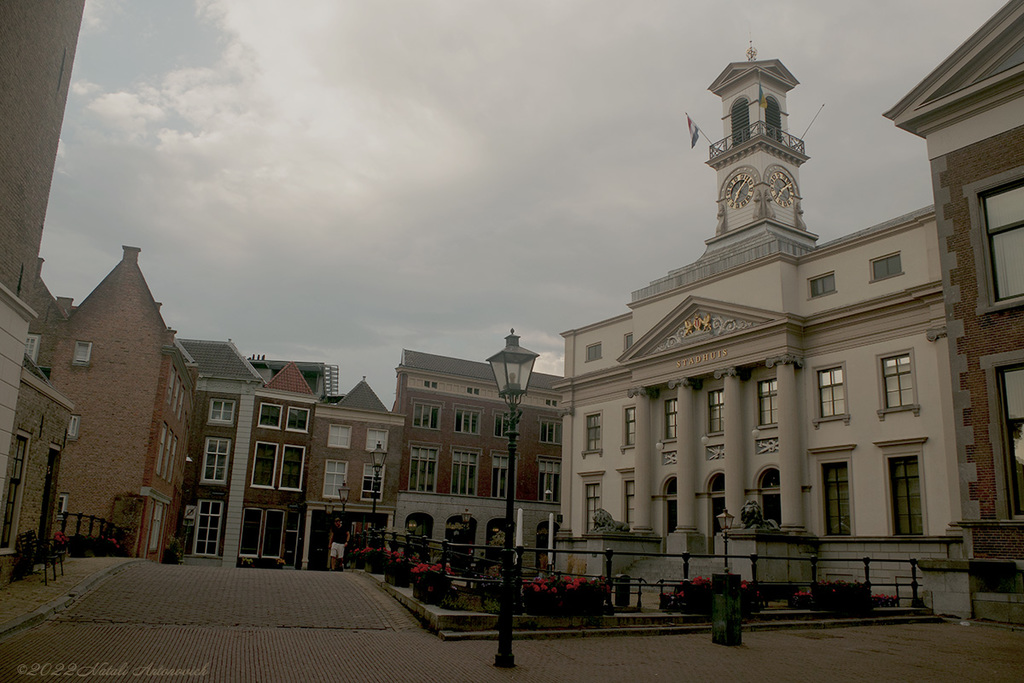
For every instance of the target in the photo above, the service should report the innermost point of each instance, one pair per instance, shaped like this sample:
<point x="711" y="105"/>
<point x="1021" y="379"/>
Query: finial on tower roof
<point x="751" y="52"/>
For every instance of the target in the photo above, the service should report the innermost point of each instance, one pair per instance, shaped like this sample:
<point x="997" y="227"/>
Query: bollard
<point x="622" y="585"/>
<point x="726" y="617"/>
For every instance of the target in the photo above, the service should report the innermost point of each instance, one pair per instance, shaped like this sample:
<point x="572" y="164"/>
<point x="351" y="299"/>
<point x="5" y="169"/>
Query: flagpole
<point x="699" y="129"/>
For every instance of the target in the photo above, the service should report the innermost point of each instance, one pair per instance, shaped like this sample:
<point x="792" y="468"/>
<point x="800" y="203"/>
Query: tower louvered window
<point x="740" y="121"/>
<point x="773" y="117"/>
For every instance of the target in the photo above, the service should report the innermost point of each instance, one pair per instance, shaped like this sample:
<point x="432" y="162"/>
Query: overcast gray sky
<point x="336" y="180"/>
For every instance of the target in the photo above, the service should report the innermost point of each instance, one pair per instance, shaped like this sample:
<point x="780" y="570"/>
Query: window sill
<point x="833" y="418"/>
<point x="914" y="408"/>
<point x="268" y="427"/>
<point x="887" y="277"/>
<point x="207" y="482"/>
<point x="598" y="452"/>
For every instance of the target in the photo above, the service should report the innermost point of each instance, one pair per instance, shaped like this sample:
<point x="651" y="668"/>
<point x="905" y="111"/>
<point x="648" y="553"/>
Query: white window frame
<point x="270" y="424"/>
<point x="366" y="492"/>
<point x="74" y="426"/>
<point x="593" y="352"/>
<point x="83" y="353"/>
<point x="273" y="471"/>
<point x="550" y="479"/>
<point x="209" y="522"/>
<point x="373" y="436"/>
<point x="156" y="525"/>
<point x="819" y="405"/>
<point x="473" y="415"/>
<point x="339" y="436"/>
<point x="217" y="465"/>
<point x="426" y="416"/>
<point x="305" y="423"/>
<point x="469" y="461"/>
<point x="593" y="444"/>
<point x="824" y="279"/>
<point x="32" y="347"/>
<point x="302" y="466"/>
<point x="499" y="474"/>
<point x="227" y="405"/>
<point x="551" y="431"/>
<point x="332" y="470"/>
<point x="912" y="404"/>
<point x="423" y="468"/>
<point x="886" y="258"/>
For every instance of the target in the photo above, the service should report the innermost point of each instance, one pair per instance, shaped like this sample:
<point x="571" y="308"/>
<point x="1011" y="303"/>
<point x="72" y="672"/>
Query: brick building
<point x="455" y="455"/>
<point x="970" y="109"/>
<point x="37" y="48"/>
<point x="132" y="388"/>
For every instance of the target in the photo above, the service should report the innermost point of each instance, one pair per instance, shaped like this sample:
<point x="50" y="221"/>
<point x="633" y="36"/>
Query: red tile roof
<point x="290" y="379"/>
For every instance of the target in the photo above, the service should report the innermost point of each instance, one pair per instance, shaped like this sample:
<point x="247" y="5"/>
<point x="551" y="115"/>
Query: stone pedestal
<point x="686" y="541"/>
<point x="588" y="556"/>
<point x="726" y="617"/>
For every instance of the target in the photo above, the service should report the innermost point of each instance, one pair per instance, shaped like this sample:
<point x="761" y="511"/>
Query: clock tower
<point x="758" y="162"/>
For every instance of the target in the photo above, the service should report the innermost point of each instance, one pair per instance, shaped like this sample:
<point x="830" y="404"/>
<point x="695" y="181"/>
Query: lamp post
<point x="378" y="455"/>
<point x="725" y="521"/>
<point x="512" y="368"/>
<point x="343" y="498"/>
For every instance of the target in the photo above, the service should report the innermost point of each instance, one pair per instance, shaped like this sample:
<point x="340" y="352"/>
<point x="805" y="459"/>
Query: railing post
<point x="686" y="566"/>
<point x="915" y="601"/>
<point x="753" y="577"/>
<point x="608" y="554"/>
<point x="814" y="570"/>
<point x="519" y="579"/>
<point x="867" y="573"/>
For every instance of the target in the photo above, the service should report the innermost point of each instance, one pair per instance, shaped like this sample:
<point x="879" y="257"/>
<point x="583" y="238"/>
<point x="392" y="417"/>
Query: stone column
<point x="791" y="459"/>
<point x="642" y="454"/>
<point x="305" y="544"/>
<point x="735" y="442"/>
<point x="689" y="451"/>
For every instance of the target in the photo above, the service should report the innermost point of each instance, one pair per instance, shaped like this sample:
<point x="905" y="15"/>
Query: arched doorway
<point x="716" y="492"/>
<point x="771" y="500"/>
<point x="671" y="506"/>
<point x="419" y="524"/>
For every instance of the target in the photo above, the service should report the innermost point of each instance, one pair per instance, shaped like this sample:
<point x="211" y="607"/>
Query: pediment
<point x="696" y="321"/>
<point x="991" y="58"/>
<point x="737" y="71"/>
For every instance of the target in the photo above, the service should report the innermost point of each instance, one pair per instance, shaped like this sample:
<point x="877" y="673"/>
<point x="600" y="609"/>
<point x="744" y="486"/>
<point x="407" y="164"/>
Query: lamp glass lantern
<point x="512" y="368"/>
<point x="725" y="522"/>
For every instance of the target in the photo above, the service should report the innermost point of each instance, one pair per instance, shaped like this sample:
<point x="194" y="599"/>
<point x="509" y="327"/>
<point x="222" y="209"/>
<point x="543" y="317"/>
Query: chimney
<point x="131" y="254"/>
<point x="39" y="268"/>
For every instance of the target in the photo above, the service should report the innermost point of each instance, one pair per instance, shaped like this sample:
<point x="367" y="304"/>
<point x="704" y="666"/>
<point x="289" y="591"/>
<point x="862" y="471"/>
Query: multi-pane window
<point x="629" y="430"/>
<point x="298" y="419"/>
<point x="1004" y="223"/>
<point x="426" y="416"/>
<point x="339" y="436"/>
<point x="270" y="415"/>
<point x="161" y="447"/>
<point x="222" y="410"/>
<point x="550" y="480"/>
<point x="670" y="418"/>
<point x="252" y="521"/>
<point x="1013" y="402"/>
<point x="207" y="527"/>
<point x="429" y="384"/>
<point x="32" y="347"/>
<point x="594" y="352"/>
<point x="592" y="496"/>
<point x="467" y="421"/>
<point x="887" y="266"/>
<point x="820" y="286"/>
<point x="83" y="353"/>
<point x="594" y="432"/>
<point x="831" y="395"/>
<point x="264" y="464"/>
<point x="771" y="500"/>
<point x="422" y="469"/>
<point x="629" y="501"/>
<point x="368" y="481"/>
<point x="899" y="388"/>
<point x="550" y="431"/>
<point x="767" y="402"/>
<point x="14" y="489"/>
<point x="273" y="529"/>
<point x="906" y="496"/>
<point x="837" y="498"/>
<point x="335" y="477"/>
<point x="499" y="424"/>
<point x="716" y="406"/>
<point x="376" y="437"/>
<point x="499" y="475"/>
<point x="627" y="340"/>
<point x="74" y="425"/>
<point x="215" y="462"/>
<point x="464" y="473"/>
<point x="156" y="525"/>
<point x="291" y="467"/>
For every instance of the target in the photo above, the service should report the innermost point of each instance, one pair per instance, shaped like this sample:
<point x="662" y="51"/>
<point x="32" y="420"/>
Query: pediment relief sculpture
<point x="700" y="325"/>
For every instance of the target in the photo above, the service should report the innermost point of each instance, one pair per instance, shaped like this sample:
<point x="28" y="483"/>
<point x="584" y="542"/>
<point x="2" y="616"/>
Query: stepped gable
<point x="290" y="379"/>
<point x="362" y="397"/>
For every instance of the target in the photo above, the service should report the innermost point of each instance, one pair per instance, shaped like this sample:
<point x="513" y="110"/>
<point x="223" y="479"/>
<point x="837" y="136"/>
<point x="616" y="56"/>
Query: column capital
<point x="936" y="333"/>
<point x="785" y="359"/>
<point x="694" y="383"/>
<point x="646" y="392"/>
<point x="731" y="372"/>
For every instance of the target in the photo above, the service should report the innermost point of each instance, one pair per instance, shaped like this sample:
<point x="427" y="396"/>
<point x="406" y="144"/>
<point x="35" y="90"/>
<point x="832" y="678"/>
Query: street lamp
<point x="343" y="497"/>
<point x="512" y="368"/>
<point x="725" y="522"/>
<point x="378" y="454"/>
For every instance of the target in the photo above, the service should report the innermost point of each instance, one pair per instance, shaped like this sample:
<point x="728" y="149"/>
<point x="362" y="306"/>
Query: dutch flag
<point x="694" y="131"/>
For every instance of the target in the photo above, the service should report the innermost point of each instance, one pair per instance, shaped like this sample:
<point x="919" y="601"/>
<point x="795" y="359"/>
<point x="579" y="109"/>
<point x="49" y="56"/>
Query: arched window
<point x="457" y="531"/>
<point x="419" y="524"/>
<point x="773" y="117"/>
<point x="740" y="120"/>
<point x="716" y="490"/>
<point x="771" y="501"/>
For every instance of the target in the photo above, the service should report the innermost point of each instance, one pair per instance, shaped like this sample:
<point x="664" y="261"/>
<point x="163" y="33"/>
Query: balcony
<point x="756" y="130"/>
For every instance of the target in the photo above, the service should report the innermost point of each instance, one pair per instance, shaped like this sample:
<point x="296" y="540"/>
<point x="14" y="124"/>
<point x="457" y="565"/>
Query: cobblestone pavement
<point x="181" y="623"/>
<point x="24" y="596"/>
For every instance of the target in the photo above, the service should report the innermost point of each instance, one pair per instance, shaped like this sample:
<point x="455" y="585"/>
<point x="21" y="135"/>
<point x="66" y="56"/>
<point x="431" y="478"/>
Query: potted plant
<point x="430" y="582"/>
<point x="396" y="568"/>
<point x="842" y="596"/>
<point x="373" y="559"/>
<point x="565" y="596"/>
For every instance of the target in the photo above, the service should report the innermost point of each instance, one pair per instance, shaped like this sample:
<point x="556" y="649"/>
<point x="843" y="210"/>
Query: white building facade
<point x="813" y="379"/>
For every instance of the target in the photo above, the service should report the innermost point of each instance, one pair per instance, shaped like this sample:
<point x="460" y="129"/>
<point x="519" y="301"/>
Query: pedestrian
<point x="339" y="537"/>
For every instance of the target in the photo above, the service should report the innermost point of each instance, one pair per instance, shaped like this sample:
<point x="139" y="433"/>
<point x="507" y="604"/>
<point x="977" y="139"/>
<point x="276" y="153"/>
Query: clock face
<point x="781" y="187"/>
<point x="739" y="190"/>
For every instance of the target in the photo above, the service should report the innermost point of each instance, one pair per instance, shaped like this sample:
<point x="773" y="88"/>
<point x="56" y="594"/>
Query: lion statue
<point x="603" y="521"/>
<point x="752" y="517"/>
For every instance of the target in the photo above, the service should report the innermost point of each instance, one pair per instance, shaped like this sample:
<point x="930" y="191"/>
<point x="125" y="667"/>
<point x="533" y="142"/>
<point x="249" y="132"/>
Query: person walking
<point x="339" y="537"/>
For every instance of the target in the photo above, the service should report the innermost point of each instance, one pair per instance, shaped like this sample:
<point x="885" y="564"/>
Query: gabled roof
<point x="986" y="70"/>
<point x="457" y="367"/>
<point x="769" y="69"/>
<point x="362" y="397"/>
<point x="219" y="359"/>
<point x="290" y="379"/>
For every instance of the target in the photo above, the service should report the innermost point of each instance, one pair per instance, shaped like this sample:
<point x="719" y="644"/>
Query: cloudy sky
<point x="336" y="180"/>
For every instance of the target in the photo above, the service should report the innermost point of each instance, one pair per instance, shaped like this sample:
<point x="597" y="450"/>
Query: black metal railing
<point x="756" y="129"/>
